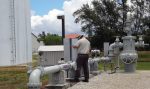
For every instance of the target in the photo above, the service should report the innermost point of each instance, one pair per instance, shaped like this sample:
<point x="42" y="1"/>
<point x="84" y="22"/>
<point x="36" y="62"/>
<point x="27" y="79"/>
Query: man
<point x="83" y="50"/>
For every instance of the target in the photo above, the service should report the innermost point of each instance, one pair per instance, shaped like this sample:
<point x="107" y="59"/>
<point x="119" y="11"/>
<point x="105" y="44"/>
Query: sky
<point x="44" y="6"/>
<point x="44" y="15"/>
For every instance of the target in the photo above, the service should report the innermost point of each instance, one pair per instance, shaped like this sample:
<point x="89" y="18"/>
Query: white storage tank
<point x="15" y="32"/>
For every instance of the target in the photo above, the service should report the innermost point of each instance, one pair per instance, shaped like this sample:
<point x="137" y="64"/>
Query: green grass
<point x="13" y="78"/>
<point x="144" y="56"/>
<point x="16" y="77"/>
<point x="143" y="65"/>
<point x="143" y="61"/>
<point x="139" y="66"/>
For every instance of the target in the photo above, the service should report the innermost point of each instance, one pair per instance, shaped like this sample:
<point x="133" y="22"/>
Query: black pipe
<point x="62" y="17"/>
<point x="63" y="29"/>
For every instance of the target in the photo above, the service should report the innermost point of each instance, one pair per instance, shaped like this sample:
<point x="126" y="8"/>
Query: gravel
<point x="137" y="80"/>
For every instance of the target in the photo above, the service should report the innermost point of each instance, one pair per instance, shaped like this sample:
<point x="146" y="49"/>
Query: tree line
<point x="102" y="20"/>
<point x="49" y="39"/>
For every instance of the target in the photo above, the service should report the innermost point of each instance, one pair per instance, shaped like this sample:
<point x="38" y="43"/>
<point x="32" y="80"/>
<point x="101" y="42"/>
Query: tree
<point x="42" y="37"/>
<point x="50" y="39"/>
<point x="146" y="32"/>
<point x="101" y="18"/>
<point x="107" y="18"/>
<point x="143" y="20"/>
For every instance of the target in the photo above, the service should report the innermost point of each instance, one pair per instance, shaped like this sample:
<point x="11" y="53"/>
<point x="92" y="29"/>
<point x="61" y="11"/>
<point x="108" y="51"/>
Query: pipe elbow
<point x="111" y="47"/>
<point x="137" y="44"/>
<point x="120" y="44"/>
<point x="34" y="79"/>
<point x="140" y="44"/>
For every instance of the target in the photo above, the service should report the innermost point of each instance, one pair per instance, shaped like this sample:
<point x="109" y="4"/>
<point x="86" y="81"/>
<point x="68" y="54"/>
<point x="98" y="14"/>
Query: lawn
<point x="16" y="77"/>
<point x="144" y="60"/>
<point x="13" y="78"/>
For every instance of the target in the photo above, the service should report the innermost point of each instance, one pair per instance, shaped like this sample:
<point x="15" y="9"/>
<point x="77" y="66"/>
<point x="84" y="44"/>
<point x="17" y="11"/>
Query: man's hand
<point x="75" y="46"/>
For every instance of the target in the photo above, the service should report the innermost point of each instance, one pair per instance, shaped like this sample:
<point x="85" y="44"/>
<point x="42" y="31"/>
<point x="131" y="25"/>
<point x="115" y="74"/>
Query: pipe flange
<point x="72" y="65"/>
<point x="65" y="66"/>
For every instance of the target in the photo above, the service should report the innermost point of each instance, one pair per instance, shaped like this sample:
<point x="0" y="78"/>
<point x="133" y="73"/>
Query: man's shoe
<point x="85" y="80"/>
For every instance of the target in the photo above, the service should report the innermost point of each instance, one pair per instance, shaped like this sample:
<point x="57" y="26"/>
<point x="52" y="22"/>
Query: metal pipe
<point x="111" y="49"/>
<point x="113" y="46"/>
<point x="51" y="69"/>
<point x="63" y="28"/>
<point x="97" y="59"/>
<point x="62" y="17"/>
<point x="140" y="42"/>
<point x="34" y="79"/>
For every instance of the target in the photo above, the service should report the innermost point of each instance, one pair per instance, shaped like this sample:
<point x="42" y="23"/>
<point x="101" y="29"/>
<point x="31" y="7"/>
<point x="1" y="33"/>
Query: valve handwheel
<point x="128" y="59"/>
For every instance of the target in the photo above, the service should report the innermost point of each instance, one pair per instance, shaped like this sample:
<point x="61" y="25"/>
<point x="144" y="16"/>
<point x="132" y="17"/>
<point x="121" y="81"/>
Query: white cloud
<point x="50" y="23"/>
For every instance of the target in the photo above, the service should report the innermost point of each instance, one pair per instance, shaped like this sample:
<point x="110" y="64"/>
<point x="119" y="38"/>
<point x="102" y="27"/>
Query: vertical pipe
<point x="70" y="41"/>
<point x="63" y="28"/>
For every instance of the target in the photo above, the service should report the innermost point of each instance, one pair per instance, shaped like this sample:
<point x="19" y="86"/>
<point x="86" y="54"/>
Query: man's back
<point x="84" y="46"/>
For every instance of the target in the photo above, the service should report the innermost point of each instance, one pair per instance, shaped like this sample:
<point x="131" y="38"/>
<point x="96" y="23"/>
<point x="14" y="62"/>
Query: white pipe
<point x="139" y="44"/>
<point x="97" y="59"/>
<point x="35" y="76"/>
<point x="52" y="69"/>
<point x="56" y="68"/>
<point x="34" y="79"/>
<point x="112" y="46"/>
<point x="120" y="45"/>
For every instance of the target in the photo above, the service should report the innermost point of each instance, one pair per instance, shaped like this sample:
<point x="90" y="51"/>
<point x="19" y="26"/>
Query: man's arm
<point x="76" y="45"/>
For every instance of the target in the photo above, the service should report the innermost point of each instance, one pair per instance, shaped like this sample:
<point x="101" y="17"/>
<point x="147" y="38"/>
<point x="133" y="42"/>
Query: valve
<point x="95" y="53"/>
<point x="117" y="38"/>
<point x="140" y="42"/>
<point x="128" y="60"/>
<point x="129" y="57"/>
